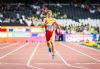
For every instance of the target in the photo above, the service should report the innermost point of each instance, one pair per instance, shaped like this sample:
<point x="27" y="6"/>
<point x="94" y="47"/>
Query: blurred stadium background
<point x="20" y="19"/>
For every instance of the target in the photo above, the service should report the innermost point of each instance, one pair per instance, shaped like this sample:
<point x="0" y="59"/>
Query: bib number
<point x="50" y="27"/>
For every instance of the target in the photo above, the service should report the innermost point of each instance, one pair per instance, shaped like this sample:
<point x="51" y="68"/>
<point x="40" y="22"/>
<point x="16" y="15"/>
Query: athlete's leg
<point x="53" y="55"/>
<point x="49" y="46"/>
<point x="52" y="44"/>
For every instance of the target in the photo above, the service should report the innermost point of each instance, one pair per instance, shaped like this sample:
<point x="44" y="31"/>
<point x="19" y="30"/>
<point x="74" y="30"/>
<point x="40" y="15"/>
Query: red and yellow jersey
<point x="50" y="28"/>
<point x="50" y="25"/>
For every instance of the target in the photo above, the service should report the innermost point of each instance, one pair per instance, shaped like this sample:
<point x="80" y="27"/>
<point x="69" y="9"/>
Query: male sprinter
<point x="50" y="24"/>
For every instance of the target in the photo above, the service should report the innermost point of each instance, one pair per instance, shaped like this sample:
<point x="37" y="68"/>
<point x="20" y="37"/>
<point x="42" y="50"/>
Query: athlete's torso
<point x="50" y="25"/>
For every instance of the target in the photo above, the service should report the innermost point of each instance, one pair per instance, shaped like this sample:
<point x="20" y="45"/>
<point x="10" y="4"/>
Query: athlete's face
<point x="49" y="14"/>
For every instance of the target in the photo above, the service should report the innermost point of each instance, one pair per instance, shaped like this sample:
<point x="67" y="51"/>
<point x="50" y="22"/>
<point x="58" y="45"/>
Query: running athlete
<point x="50" y="24"/>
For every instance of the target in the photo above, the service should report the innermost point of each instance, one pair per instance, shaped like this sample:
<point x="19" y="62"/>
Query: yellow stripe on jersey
<point x="50" y="20"/>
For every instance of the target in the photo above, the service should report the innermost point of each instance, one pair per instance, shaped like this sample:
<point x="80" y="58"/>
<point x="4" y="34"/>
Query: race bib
<point x="50" y="27"/>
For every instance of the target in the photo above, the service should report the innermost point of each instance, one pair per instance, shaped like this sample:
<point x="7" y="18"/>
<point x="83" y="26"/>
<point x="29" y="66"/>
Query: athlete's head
<point x="49" y="13"/>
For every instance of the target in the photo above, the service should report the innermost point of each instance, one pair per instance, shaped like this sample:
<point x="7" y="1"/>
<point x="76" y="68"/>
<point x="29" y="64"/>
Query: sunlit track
<point x="14" y="50"/>
<point x="78" y="44"/>
<point x="90" y="52"/>
<point x="36" y="56"/>
<point x="4" y="44"/>
<point x="81" y="53"/>
<point x="13" y="46"/>
<point x="61" y="58"/>
<point x="66" y="62"/>
<point x="8" y="46"/>
<point x="28" y="63"/>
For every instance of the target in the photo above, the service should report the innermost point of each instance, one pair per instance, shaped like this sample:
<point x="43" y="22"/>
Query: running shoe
<point x="53" y="56"/>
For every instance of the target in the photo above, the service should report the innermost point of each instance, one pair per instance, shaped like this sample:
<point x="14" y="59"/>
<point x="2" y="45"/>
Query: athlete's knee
<point x="52" y="42"/>
<point x="48" y="43"/>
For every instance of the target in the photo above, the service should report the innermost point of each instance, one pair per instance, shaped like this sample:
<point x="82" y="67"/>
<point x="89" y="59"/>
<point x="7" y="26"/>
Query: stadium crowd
<point x="32" y="15"/>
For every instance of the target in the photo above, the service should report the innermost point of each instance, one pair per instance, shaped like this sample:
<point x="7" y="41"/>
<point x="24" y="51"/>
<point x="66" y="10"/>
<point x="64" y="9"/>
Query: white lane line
<point x="14" y="50"/>
<point x="80" y="52"/>
<point x="87" y="63"/>
<point x="18" y="64"/>
<point x="13" y="63"/>
<point x="66" y="62"/>
<point x="28" y="63"/>
<point x="61" y="58"/>
<point x="50" y="63"/>
<point x="8" y="46"/>
<point x="32" y="54"/>
<point x="4" y="43"/>
<point x="34" y="67"/>
<point x="87" y="47"/>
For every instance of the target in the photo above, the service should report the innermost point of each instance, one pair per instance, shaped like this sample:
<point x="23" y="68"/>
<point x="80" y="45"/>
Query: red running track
<point x="36" y="56"/>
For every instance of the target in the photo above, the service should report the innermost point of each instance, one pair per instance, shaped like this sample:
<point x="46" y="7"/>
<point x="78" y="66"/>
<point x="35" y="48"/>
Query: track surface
<point x="36" y="56"/>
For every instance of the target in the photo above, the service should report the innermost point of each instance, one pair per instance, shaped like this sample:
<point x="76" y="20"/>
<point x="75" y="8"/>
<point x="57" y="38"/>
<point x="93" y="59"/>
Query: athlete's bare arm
<point x="57" y="25"/>
<point x="44" y="23"/>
